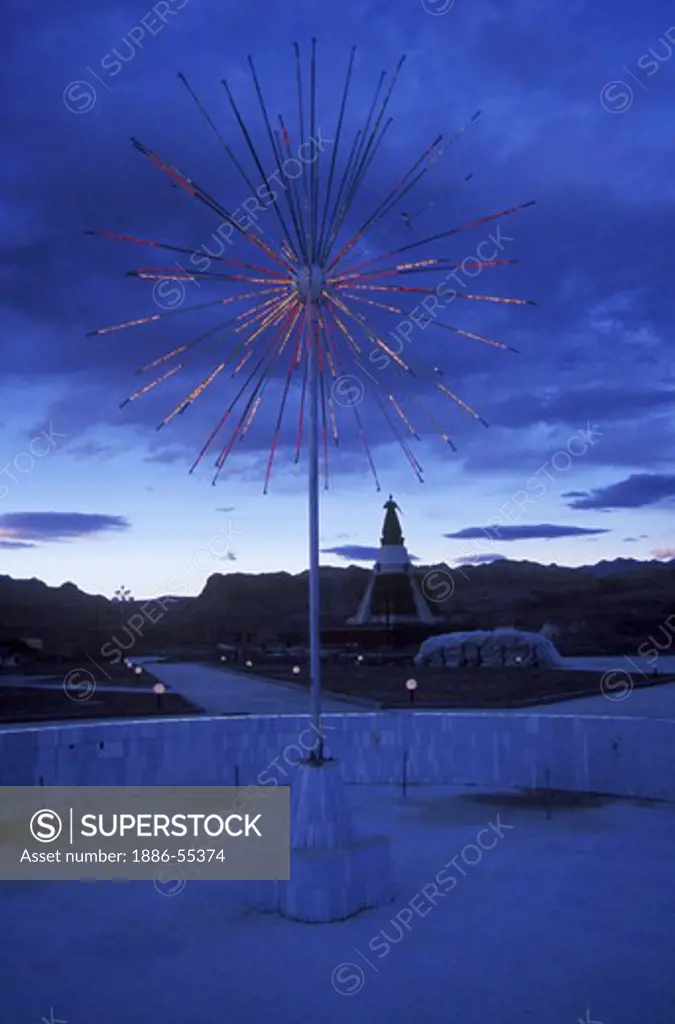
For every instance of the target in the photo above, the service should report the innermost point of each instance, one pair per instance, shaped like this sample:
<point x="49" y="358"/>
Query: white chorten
<point x="393" y="595"/>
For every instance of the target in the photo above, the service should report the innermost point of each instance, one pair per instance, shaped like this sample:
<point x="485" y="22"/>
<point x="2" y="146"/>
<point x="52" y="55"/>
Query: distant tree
<point x="122" y="597"/>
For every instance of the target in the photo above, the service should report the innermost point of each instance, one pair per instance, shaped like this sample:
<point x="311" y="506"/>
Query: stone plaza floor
<point x="554" y="916"/>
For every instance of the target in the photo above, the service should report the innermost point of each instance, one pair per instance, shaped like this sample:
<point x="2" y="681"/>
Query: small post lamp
<point x="296" y="670"/>
<point x="411" y="685"/>
<point x="138" y="670"/>
<point x="159" y="689"/>
<point x="249" y="664"/>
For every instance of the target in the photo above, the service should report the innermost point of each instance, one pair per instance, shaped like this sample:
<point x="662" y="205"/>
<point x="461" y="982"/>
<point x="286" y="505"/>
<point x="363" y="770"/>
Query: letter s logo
<point x="45" y="826"/>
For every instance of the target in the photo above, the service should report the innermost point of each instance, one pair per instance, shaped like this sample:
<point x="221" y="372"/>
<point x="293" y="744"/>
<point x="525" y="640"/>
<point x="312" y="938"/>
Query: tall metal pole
<point x="314" y="593"/>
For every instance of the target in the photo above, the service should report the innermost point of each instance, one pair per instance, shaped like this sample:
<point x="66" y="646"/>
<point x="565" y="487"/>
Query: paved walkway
<point x="618" y="698"/>
<point x="652" y="702"/>
<point x="221" y="691"/>
<point x="30" y="683"/>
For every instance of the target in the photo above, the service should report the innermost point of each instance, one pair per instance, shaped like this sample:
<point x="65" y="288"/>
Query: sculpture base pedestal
<point x="335" y="874"/>
<point x="332" y="885"/>
<point x="263" y="896"/>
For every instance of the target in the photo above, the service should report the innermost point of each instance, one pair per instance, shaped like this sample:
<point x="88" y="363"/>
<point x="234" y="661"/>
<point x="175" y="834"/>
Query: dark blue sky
<point x="576" y="104"/>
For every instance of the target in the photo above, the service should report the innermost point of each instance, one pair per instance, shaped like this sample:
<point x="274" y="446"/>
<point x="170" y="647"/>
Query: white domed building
<point x="493" y="648"/>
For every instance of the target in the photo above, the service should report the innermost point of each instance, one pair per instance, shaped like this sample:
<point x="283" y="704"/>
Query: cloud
<point x="17" y="528"/>
<point x="168" y="456"/>
<point x="227" y="508"/>
<point x="636" y="491"/>
<point x="634" y="540"/>
<point x="479" y="559"/>
<point x="601" y="336"/>
<point x="543" y="531"/>
<point x="13" y="545"/>
<point x="358" y="553"/>
<point x="665" y="553"/>
<point x="92" y="450"/>
<point x="563" y="406"/>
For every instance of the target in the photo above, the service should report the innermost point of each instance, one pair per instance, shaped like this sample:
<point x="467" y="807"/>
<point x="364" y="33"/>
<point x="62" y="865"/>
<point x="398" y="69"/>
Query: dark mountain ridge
<point x="608" y="608"/>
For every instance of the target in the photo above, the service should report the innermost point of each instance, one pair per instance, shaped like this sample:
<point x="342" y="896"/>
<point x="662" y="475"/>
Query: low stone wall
<point x="620" y="756"/>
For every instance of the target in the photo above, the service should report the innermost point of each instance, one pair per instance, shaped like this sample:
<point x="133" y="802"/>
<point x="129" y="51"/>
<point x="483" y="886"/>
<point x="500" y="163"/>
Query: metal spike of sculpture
<point x="299" y="308"/>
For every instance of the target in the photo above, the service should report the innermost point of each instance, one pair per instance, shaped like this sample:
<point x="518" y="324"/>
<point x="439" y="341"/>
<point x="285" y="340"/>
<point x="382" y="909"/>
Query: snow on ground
<point x="560" y="917"/>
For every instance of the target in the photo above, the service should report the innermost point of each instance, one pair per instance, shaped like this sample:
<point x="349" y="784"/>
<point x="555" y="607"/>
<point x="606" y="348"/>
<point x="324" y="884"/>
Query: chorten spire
<point x="393" y="597"/>
<point x="391" y="530"/>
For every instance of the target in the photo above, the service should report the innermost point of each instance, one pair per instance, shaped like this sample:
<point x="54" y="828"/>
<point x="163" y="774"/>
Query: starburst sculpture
<point x="300" y="322"/>
<point x="122" y="595"/>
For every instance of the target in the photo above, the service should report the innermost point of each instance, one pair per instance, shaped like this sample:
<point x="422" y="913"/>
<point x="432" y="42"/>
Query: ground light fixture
<point x="411" y="686"/>
<point x="158" y="689"/>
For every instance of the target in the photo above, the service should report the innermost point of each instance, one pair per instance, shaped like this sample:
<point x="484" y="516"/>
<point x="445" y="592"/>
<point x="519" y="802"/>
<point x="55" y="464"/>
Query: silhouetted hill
<point x="611" y="607"/>
<point x="625" y="565"/>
